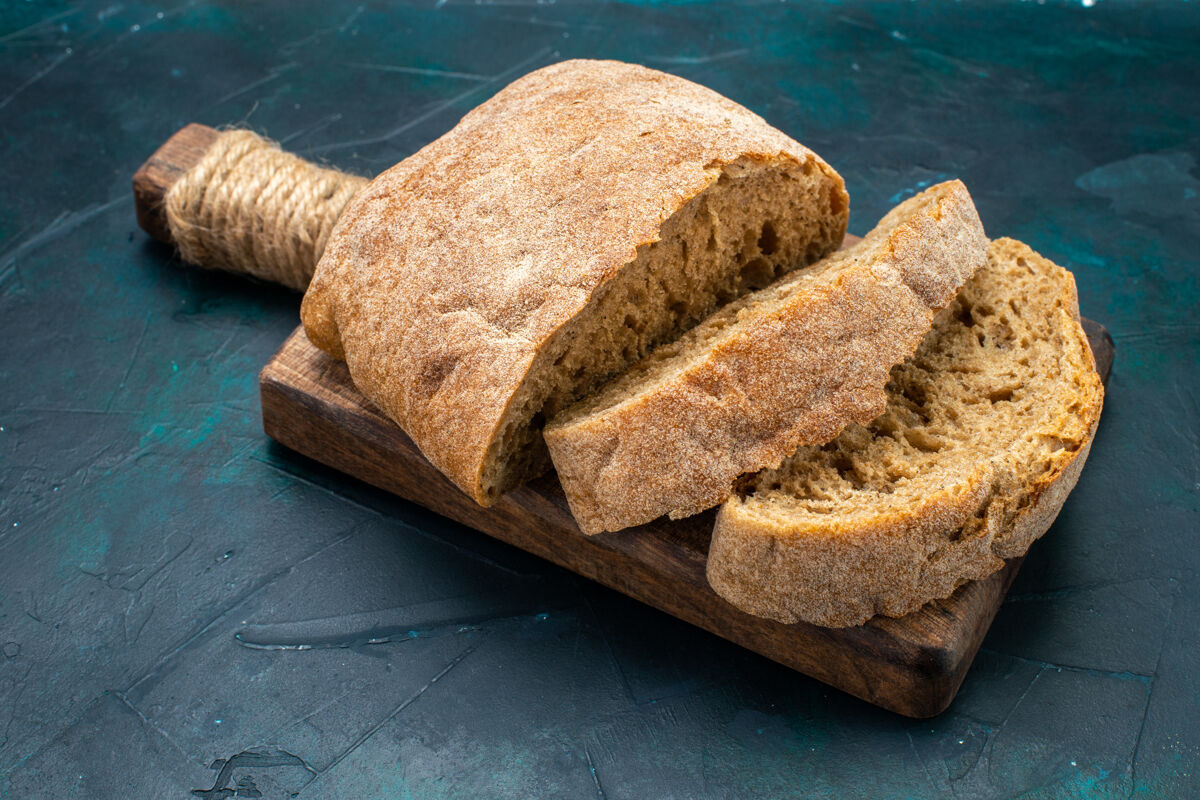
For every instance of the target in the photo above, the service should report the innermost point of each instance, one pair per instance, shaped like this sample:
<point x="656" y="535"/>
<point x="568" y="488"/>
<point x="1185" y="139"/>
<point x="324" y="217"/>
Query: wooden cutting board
<point x="913" y="665"/>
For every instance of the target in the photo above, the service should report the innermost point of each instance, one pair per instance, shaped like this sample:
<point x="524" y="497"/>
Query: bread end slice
<point x="986" y="431"/>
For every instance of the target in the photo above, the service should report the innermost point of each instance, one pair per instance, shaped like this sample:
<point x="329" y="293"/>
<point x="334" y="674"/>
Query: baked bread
<point x="986" y="430"/>
<point x="789" y="365"/>
<point x="588" y="212"/>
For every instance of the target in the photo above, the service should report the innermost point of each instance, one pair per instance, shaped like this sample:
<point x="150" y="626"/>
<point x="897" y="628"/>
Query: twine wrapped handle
<point x="247" y="206"/>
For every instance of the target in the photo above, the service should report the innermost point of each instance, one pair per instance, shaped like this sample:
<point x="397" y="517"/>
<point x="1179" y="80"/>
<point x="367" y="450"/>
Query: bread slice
<point x="588" y="212"/>
<point x="789" y="365"/>
<point x="986" y="430"/>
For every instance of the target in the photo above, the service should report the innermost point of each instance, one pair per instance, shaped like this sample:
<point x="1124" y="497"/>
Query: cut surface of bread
<point x="788" y="365"/>
<point x="585" y="214"/>
<point x="986" y="430"/>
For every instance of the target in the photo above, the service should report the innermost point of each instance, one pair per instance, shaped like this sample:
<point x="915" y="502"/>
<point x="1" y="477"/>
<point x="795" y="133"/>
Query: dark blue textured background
<point x="145" y="519"/>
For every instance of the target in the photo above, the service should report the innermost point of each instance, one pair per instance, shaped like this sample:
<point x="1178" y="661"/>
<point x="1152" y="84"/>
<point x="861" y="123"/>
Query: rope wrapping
<point x="247" y="206"/>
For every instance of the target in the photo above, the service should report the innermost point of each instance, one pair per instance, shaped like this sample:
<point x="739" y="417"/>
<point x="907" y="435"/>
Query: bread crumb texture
<point x="789" y="365"/>
<point x="587" y="213"/>
<point x="986" y="430"/>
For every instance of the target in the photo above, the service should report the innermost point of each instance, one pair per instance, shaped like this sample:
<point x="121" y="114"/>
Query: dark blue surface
<point x="146" y="520"/>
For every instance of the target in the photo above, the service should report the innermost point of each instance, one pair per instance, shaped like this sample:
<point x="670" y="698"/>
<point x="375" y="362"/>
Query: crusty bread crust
<point x="447" y="275"/>
<point x="840" y="571"/>
<point x="790" y="365"/>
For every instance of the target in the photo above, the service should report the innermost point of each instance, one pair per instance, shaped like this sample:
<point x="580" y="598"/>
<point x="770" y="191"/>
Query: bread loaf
<point x="986" y="430"/>
<point x="585" y="214"/>
<point x="789" y="365"/>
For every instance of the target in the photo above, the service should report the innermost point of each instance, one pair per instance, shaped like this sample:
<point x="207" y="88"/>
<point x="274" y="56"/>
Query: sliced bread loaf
<point x="986" y="430"/>
<point x="789" y="365"/>
<point x="588" y="212"/>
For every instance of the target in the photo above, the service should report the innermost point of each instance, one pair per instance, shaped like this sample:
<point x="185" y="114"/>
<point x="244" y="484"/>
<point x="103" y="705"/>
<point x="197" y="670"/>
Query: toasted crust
<point x="790" y="365"/>
<point x="841" y="559"/>
<point x="448" y="274"/>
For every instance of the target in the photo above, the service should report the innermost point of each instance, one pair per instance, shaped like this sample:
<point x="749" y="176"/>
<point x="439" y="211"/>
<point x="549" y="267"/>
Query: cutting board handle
<point x="233" y="200"/>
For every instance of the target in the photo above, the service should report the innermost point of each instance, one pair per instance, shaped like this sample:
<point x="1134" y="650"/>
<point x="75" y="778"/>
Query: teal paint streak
<point x="920" y="186"/>
<point x="1091" y="783"/>
<point x="1152" y="184"/>
<point x="82" y="547"/>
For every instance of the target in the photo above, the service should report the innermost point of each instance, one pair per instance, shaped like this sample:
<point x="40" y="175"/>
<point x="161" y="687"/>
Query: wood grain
<point x="912" y="665"/>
